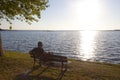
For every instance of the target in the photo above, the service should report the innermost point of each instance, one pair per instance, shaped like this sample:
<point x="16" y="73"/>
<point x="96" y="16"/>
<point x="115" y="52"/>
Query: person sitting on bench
<point x="39" y="53"/>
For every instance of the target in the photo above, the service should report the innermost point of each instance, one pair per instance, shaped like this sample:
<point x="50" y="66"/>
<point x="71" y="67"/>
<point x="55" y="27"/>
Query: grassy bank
<point x="13" y="66"/>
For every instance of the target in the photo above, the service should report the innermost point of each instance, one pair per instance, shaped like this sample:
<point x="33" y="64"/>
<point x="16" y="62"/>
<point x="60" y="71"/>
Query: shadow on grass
<point x="22" y="77"/>
<point x="27" y="76"/>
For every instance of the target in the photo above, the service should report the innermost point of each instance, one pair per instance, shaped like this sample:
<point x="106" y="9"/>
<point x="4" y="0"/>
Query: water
<point x="102" y="46"/>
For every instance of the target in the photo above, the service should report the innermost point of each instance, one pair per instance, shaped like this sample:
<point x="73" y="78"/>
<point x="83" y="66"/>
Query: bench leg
<point x="62" y="67"/>
<point x="40" y="63"/>
<point x="65" y="67"/>
<point x="34" y="62"/>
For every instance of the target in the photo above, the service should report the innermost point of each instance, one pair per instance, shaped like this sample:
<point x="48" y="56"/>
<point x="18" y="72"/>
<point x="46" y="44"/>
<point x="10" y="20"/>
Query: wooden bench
<point x="50" y="59"/>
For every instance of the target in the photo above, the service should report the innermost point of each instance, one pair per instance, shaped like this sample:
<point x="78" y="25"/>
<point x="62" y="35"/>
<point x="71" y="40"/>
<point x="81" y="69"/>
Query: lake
<point x="101" y="46"/>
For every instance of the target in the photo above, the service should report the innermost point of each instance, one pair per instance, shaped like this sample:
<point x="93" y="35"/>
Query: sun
<point x="86" y="12"/>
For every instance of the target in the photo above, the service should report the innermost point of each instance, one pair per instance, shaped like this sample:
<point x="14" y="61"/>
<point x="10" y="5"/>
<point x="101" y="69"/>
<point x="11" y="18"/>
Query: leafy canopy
<point x="23" y="10"/>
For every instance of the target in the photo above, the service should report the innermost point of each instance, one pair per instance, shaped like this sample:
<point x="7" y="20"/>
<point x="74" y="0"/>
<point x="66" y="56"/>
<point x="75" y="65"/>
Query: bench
<point x="50" y="59"/>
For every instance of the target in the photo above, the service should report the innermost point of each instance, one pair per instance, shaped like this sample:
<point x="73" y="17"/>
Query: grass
<point x="13" y="65"/>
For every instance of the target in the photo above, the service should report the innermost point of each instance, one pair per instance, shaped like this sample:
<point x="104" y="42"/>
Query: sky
<point x="75" y="15"/>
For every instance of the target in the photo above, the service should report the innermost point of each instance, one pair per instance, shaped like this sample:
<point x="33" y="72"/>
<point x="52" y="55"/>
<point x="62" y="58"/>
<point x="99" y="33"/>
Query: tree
<point x="23" y="10"/>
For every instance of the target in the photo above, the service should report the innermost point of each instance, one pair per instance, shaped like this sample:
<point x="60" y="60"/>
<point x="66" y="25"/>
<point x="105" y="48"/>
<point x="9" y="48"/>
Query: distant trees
<point x="23" y="10"/>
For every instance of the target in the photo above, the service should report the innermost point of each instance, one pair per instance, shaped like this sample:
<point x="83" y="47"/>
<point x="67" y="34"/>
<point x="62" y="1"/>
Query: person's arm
<point x="32" y="52"/>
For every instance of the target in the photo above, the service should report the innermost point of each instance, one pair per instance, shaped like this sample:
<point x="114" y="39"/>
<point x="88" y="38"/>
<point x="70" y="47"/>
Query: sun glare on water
<point x="87" y="45"/>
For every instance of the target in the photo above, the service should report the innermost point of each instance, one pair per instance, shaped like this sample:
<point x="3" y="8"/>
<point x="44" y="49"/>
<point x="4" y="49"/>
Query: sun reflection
<point x="87" y="44"/>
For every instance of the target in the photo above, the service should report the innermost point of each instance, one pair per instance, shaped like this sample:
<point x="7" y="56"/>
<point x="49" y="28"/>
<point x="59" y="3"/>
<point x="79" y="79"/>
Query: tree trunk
<point x="1" y="49"/>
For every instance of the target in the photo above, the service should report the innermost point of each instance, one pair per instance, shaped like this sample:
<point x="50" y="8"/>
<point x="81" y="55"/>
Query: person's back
<point x="37" y="52"/>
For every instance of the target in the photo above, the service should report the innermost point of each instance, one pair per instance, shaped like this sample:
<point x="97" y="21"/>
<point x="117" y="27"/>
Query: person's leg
<point x="58" y="58"/>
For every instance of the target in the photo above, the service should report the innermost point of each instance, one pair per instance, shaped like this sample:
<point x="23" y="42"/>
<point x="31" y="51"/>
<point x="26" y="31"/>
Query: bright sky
<point x="75" y="15"/>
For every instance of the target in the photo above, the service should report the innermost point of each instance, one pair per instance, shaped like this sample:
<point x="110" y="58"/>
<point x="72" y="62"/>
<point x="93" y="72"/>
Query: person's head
<point x="40" y="44"/>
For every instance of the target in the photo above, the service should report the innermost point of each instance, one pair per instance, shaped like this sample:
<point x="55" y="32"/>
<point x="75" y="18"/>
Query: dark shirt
<point x="36" y="52"/>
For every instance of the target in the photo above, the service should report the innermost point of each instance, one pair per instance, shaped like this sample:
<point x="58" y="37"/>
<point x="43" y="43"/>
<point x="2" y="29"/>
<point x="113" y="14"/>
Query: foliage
<point x="23" y="10"/>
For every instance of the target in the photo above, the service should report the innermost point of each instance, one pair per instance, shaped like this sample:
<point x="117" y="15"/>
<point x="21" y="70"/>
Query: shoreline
<point x="77" y="59"/>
